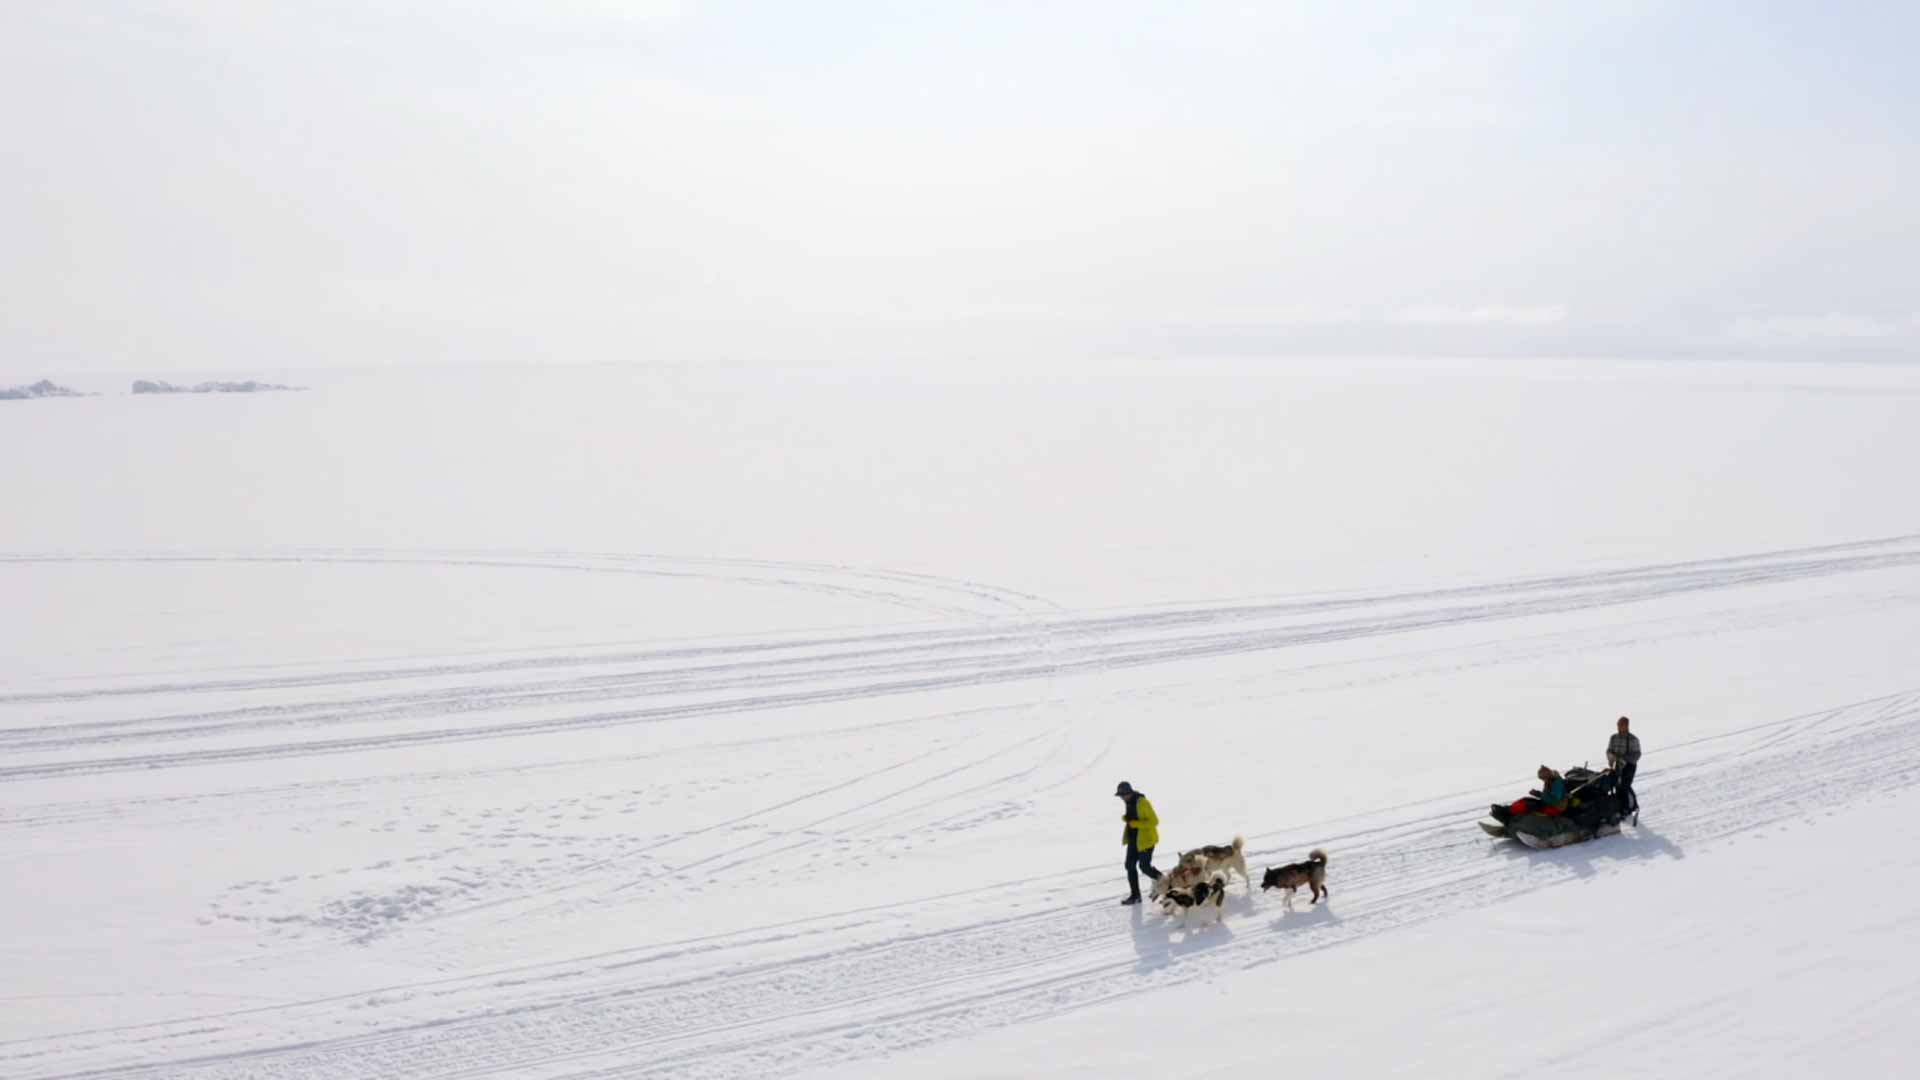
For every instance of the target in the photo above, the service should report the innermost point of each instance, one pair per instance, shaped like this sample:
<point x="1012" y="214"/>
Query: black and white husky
<point x="1205" y="862"/>
<point x="1201" y="894"/>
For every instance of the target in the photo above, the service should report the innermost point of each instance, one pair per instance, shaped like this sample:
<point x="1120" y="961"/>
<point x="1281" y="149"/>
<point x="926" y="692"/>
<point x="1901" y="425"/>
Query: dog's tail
<point x="1317" y="856"/>
<point x="1238" y="843"/>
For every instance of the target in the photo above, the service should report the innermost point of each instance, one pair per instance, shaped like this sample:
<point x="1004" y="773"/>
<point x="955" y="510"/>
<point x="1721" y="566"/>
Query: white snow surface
<point x="656" y="721"/>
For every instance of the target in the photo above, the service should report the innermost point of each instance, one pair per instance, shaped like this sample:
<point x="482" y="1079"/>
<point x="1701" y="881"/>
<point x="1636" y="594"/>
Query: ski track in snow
<point x="687" y="681"/>
<point x="874" y="979"/>
<point x="608" y="1015"/>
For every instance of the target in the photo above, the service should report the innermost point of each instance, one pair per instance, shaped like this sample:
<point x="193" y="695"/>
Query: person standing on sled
<point x="1623" y="755"/>
<point x="1141" y="833"/>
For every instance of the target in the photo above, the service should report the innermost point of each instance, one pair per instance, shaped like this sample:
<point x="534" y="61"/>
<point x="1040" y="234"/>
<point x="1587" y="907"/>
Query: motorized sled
<point x="1591" y="812"/>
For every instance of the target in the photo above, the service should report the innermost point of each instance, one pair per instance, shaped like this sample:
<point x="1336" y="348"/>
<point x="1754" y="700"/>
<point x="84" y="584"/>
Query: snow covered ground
<point x="1785" y="951"/>
<point x="650" y="721"/>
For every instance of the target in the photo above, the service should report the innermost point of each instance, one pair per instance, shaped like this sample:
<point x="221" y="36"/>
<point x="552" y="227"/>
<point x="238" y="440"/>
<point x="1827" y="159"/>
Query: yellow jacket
<point x="1145" y="823"/>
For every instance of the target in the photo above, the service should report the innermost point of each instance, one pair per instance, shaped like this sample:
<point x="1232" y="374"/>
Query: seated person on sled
<point x="1550" y="799"/>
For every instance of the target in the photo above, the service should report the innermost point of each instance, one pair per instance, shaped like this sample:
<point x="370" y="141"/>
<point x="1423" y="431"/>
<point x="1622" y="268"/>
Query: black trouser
<point x="1137" y="862"/>
<point x="1623" y="787"/>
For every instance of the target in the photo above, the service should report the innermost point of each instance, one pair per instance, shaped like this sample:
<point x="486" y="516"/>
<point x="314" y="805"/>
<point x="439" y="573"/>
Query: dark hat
<point x="1124" y="788"/>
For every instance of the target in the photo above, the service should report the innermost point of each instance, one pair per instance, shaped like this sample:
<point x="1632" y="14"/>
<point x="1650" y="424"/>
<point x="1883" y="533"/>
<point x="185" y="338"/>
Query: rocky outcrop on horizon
<point x="42" y="389"/>
<point x="143" y="386"/>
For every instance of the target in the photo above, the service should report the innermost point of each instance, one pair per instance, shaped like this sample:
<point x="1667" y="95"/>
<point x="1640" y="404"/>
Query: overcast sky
<point x="232" y="182"/>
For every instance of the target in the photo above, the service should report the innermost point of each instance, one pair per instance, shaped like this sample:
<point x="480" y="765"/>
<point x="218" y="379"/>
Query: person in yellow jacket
<point x="1141" y="834"/>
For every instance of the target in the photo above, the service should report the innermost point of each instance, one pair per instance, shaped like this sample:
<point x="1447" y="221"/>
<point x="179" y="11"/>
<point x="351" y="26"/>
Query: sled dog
<point x="1312" y="873"/>
<point x="1203" y="894"/>
<point x="1182" y="876"/>
<point x="1205" y="862"/>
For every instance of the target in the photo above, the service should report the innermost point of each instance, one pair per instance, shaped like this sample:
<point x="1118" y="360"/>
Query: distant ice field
<point x="1092" y="487"/>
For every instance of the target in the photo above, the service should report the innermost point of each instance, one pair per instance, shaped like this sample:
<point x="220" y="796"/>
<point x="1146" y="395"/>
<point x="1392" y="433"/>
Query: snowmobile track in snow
<point x="608" y="1015"/>
<point x="717" y="679"/>
<point x="869" y="979"/>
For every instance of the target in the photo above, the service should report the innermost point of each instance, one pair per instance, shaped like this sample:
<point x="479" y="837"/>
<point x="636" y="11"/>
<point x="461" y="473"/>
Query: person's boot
<point x="1130" y="901"/>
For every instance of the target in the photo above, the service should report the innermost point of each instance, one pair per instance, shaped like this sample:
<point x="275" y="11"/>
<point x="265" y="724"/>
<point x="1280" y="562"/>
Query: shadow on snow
<point x="1586" y="859"/>
<point x="1158" y="939"/>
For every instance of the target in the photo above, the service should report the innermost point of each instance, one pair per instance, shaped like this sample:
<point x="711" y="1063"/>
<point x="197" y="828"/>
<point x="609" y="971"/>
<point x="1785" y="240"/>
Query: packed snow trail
<point x="1034" y="954"/>
<point x="397" y="879"/>
<point x="679" y="683"/>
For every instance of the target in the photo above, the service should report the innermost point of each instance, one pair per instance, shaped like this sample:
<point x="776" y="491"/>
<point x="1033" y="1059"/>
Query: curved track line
<point x="611" y="1018"/>
<point x="1067" y="647"/>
